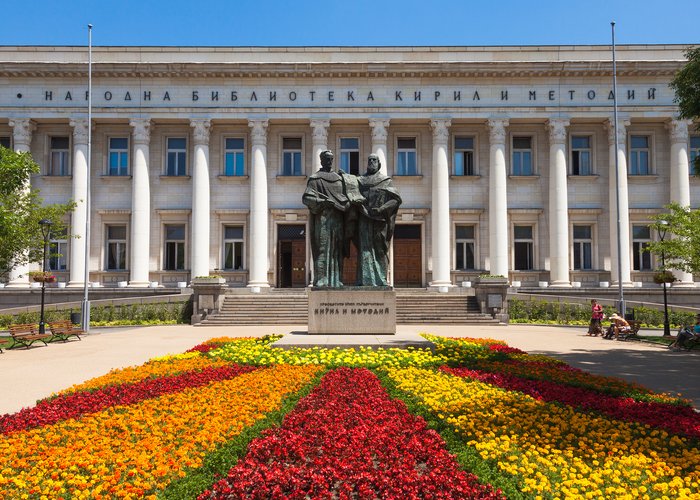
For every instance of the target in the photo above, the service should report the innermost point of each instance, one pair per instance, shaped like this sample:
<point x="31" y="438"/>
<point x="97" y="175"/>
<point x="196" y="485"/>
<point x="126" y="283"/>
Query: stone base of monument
<point x="352" y="311"/>
<point x="402" y="340"/>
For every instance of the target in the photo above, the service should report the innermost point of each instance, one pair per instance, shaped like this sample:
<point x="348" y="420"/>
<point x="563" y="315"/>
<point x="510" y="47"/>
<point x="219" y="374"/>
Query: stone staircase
<point x="290" y="307"/>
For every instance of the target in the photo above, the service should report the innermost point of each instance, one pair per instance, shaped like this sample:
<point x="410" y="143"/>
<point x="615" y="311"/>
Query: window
<point x="694" y="154"/>
<point x="583" y="247"/>
<point x="350" y="155"/>
<point x="581" y="155"/>
<point x="464" y="156"/>
<point x="523" y="248"/>
<point x="174" y="247"/>
<point x="406" y="156"/>
<point x="118" y="155"/>
<point x="116" y="248"/>
<point x="464" y="251"/>
<point x="5" y="142"/>
<point x="641" y="236"/>
<point x="639" y="155"/>
<point x="522" y="155"/>
<point x="58" y="252"/>
<point x="234" y="157"/>
<point x="58" y="161"/>
<point x="233" y="247"/>
<point x="176" y="156"/>
<point x="291" y="155"/>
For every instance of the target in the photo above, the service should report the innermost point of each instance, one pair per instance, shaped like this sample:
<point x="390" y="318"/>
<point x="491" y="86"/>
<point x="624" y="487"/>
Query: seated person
<point x="618" y="325"/>
<point x="685" y="334"/>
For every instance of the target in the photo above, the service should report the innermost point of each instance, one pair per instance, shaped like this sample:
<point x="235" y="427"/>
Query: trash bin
<point x="75" y="318"/>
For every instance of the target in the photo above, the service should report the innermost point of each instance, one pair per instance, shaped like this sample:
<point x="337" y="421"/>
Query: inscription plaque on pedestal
<point x="352" y="310"/>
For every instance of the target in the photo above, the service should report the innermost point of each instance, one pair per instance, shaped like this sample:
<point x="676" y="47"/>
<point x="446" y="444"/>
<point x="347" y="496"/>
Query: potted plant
<point x="42" y="276"/>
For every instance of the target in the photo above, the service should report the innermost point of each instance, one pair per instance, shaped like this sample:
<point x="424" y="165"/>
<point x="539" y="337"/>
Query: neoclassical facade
<point x="504" y="158"/>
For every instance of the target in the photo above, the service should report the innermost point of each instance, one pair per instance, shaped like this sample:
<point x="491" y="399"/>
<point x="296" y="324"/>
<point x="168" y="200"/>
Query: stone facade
<point x="504" y="157"/>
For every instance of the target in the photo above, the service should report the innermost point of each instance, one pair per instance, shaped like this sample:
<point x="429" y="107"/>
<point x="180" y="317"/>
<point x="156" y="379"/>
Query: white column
<point x="319" y="135"/>
<point x="558" y="205"/>
<point x="498" y="203"/>
<point x="200" y="199"/>
<point x="624" y="233"/>
<point x="140" y="204"/>
<point x="258" y="261"/>
<point x="440" y="210"/>
<point x="380" y="133"/>
<point x="680" y="179"/>
<point x="79" y="195"/>
<point x="22" y="129"/>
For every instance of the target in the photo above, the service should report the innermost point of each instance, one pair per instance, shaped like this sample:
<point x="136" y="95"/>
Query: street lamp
<point x="46" y="232"/>
<point x="662" y="233"/>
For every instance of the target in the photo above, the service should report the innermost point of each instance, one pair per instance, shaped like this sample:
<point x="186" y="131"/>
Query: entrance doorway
<point x="350" y="267"/>
<point x="291" y="256"/>
<point x="407" y="256"/>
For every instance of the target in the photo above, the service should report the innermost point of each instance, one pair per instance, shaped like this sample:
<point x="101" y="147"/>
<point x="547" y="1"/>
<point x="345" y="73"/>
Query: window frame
<point x="693" y="152"/>
<point x="9" y="141"/>
<point x="234" y="241"/>
<point x="59" y="245"/>
<point x="649" y="150"/>
<point x="465" y="241"/>
<point x="119" y="152"/>
<point x="513" y="151"/>
<point x="638" y="252"/>
<point x="177" y="242"/>
<point x="177" y="151"/>
<point x="530" y="241"/>
<point x="119" y="242"/>
<point x="407" y="151"/>
<point x="455" y="151"/>
<point x="65" y="154"/>
<point x="583" y="241"/>
<point x="342" y="151"/>
<point x="284" y="151"/>
<point x="235" y="151"/>
<point x="591" y="153"/>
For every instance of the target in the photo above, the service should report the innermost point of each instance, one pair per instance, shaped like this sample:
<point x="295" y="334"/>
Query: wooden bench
<point x="26" y="334"/>
<point x="63" y="330"/>
<point x="5" y="342"/>
<point x="633" y="331"/>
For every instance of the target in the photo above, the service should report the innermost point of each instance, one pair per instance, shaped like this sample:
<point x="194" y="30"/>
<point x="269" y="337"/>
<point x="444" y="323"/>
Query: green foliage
<point x="681" y="245"/>
<point x="21" y="209"/>
<point x="686" y="85"/>
<point x="111" y="315"/>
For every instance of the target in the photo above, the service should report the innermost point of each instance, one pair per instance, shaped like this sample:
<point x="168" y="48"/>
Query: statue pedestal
<point x="352" y="310"/>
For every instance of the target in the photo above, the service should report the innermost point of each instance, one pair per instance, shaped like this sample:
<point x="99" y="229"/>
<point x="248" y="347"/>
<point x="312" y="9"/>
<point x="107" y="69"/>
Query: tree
<point x="21" y="209"/>
<point x="686" y="85"/>
<point x="681" y="245"/>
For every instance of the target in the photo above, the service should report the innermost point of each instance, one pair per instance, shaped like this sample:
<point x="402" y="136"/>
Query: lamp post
<point x="662" y="233"/>
<point x="46" y="232"/>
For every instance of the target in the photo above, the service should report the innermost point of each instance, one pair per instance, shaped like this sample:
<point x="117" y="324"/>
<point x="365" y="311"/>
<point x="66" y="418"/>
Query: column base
<point x="625" y="284"/>
<point x="17" y="284"/>
<point x="441" y="286"/>
<point x="75" y="284"/>
<point x="683" y="284"/>
<point x="139" y="284"/>
<point x="560" y="284"/>
<point x="258" y="284"/>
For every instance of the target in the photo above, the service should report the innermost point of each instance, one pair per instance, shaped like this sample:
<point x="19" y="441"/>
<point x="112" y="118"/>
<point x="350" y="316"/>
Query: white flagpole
<point x="85" y="316"/>
<point x="621" y="298"/>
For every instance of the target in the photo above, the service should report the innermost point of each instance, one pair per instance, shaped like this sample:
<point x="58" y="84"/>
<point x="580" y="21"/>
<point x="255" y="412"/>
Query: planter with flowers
<point x="42" y="277"/>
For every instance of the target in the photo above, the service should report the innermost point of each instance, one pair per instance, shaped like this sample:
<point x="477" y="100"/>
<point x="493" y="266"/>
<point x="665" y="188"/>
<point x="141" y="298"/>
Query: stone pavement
<point x="28" y="375"/>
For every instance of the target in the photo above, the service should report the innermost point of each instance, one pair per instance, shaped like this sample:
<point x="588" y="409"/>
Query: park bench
<point x="26" y="334"/>
<point x="63" y="330"/>
<point x="4" y="342"/>
<point x="632" y="332"/>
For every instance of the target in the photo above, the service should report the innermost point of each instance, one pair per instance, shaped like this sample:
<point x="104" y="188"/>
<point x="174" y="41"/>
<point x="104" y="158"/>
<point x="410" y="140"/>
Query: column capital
<point x="258" y="132"/>
<point x="678" y="130"/>
<point x="80" y="130"/>
<point x="441" y="132"/>
<point x="319" y="131"/>
<point x="200" y="135"/>
<point x="22" y="129"/>
<point x="142" y="130"/>
<point x="557" y="130"/>
<point x="379" y="128"/>
<point x="622" y="124"/>
<point x="497" y="130"/>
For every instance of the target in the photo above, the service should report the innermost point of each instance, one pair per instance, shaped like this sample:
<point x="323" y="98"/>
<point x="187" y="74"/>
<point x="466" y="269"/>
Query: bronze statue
<point x="375" y="226"/>
<point x="327" y="200"/>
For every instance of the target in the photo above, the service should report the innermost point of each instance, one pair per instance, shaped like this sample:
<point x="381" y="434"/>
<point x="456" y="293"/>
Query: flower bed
<point x="526" y="425"/>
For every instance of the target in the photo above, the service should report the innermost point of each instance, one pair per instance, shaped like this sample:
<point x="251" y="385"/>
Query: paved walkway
<point x="28" y="375"/>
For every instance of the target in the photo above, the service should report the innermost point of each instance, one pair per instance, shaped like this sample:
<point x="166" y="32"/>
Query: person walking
<point x="596" y="328"/>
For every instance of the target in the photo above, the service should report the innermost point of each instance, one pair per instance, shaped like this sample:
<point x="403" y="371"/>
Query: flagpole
<point x="621" y="297"/>
<point x="85" y="316"/>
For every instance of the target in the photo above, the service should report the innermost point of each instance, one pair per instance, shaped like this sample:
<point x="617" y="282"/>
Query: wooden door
<point x="407" y="256"/>
<point x="350" y="267"/>
<point x="298" y="263"/>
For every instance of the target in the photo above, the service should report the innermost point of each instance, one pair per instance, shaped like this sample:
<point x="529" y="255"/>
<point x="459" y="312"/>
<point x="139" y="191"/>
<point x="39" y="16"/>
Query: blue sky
<point x="351" y="22"/>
